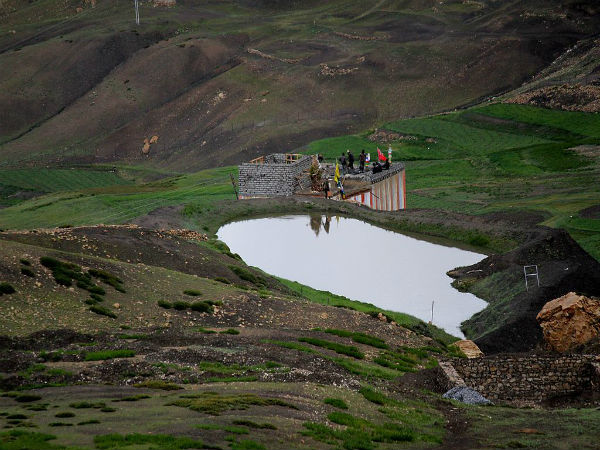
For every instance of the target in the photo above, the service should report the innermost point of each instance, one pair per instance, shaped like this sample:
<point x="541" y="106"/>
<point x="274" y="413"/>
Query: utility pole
<point x="137" y="12"/>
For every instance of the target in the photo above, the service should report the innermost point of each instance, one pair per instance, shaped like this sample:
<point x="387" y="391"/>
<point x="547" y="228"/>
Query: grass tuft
<point x="103" y="311"/>
<point x="109" y="354"/>
<point x="6" y="288"/>
<point x="229" y="331"/>
<point x="336" y="403"/>
<point x="338" y="348"/>
<point x="27" y="272"/>
<point x="214" y="403"/>
<point x="192" y="292"/>
<point x="164" y="304"/>
<point x="158" y="384"/>
<point x="360" y="338"/>
<point x="136" y="440"/>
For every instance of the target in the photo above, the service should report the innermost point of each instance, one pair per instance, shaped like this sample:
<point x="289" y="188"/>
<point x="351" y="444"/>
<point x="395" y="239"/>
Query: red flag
<point x="380" y="155"/>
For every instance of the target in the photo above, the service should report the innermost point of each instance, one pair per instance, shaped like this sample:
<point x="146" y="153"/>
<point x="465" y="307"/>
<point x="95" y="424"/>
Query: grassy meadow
<point x="498" y="157"/>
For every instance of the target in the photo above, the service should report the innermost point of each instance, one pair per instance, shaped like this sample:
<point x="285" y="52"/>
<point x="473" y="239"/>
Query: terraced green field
<point x="54" y="180"/>
<point x="497" y="157"/>
<point x="118" y="205"/>
<point x="492" y="158"/>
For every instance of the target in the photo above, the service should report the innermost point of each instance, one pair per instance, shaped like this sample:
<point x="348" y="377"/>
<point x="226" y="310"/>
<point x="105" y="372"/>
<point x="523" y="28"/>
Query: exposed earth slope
<point x="80" y="83"/>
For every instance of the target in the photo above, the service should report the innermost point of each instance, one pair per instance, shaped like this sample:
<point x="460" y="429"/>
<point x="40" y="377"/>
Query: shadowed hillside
<point x="80" y="83"/>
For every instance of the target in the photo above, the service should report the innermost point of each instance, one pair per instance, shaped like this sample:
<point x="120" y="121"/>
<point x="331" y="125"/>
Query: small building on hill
<point x="285" y="174"/>
<point x="275" y="175"/>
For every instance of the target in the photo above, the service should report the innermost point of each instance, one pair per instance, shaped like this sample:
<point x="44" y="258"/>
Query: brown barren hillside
<point x="220" y="82"/>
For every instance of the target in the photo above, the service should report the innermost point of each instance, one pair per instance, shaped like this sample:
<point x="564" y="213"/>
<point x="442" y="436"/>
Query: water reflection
<point x="318" y="221"/>
<point x="360" y="261"/>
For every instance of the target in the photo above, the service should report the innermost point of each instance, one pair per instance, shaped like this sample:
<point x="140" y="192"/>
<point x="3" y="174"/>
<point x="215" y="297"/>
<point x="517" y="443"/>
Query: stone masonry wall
<point x="533" y="378"/>
<point x="274" y="178"/>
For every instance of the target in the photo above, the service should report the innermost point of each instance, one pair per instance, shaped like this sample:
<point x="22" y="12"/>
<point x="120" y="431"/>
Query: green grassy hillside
<point x="498" y="157"/>
<point x="485" y="159"/>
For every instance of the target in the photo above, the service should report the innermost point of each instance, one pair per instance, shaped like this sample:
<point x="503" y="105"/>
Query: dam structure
<point x="286" y="174"/>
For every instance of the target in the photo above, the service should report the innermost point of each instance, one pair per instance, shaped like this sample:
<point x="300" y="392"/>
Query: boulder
<point x="469" y="348"/>
<point x="570" y="321"/>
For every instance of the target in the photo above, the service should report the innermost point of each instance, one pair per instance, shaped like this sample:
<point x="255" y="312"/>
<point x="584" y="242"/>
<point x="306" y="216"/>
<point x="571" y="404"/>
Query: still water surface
<point x="360" y="261"/>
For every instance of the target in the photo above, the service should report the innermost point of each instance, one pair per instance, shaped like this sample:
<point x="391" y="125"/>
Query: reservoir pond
<point x="360" y="261"/>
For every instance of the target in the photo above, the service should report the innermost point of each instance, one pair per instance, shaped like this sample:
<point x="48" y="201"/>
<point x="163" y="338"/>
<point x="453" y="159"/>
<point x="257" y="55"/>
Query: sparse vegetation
<point x="336" y="403"/>
<point x="103" y="311"/>
<point x="360" y="338"/>
<point x="89" y="422"/>
<point x="228" y="428"/>
<point x="164" y="304"/>
<point x="374" y="396"/>
<point x="87" y="405"/>
<point x="222" y="280"/>
<point x="180" y="305"/>
<point x="20" y="439"/>
<point x="109" y="354"/>
<point x="229" y="331"/>
<point x="108" y="278"/>
<point x="338" y="348"/>
<point x="136" y="440"/>
<point x="60" y="424"/>
<point x="246" y="444"/>
<point x="247" y="275"/>
<point x="205" y="331"/>
<point x="27" y="272"/>
<point x="27" y="398"/>
<point x="6" y="288"/>
<point x="132" y="398"/>
<point x="258" y="426"/>
<point x="203" y="307"/>
<point x="192" y="292"/>
<point x="158" y="384"/>
<point x="133" y="336"/>
<point x="214" y="403"/>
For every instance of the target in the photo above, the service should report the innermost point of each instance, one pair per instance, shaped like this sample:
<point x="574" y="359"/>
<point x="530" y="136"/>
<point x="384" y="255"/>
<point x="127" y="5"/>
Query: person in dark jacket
<point x="350" y="161"/>
<point x="361" y="160"/>
<point x="326" y="187"/>
<point x="377" y="167"/>
<point x="343" y="163"/>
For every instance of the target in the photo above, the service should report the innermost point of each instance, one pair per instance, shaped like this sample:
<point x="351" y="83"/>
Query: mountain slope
<point x="218" y="83"/>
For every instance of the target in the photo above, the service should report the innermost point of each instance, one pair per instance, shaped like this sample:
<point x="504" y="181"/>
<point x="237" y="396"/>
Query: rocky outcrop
<point x="570" y="321"/>
<point x="469" y="348"/>
<point x="508" y="323"/>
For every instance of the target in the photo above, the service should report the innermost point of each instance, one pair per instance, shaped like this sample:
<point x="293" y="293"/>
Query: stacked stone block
<point x="527" y="378"/>
<point x="274" y="178"/>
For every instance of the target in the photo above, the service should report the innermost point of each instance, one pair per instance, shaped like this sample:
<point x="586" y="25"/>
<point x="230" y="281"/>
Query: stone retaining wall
<point x="532" y="377"/>
<point x="273" y="178"/>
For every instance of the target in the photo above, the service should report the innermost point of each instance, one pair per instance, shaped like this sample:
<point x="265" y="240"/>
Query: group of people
<point x="346" y="163"/>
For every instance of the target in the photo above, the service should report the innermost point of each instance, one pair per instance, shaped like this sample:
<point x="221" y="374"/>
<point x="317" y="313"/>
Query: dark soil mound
<point x="508" y="323"/>
<point x="41" y="340"/>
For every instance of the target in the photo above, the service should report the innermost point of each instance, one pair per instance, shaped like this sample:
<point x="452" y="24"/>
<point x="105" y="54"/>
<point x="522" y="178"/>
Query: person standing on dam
<point x="343" y="163"/>
<point x="350" y="161"/>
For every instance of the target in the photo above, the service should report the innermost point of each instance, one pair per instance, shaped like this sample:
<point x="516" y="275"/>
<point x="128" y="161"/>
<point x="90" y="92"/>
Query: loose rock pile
<point x="466" y="395"/>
